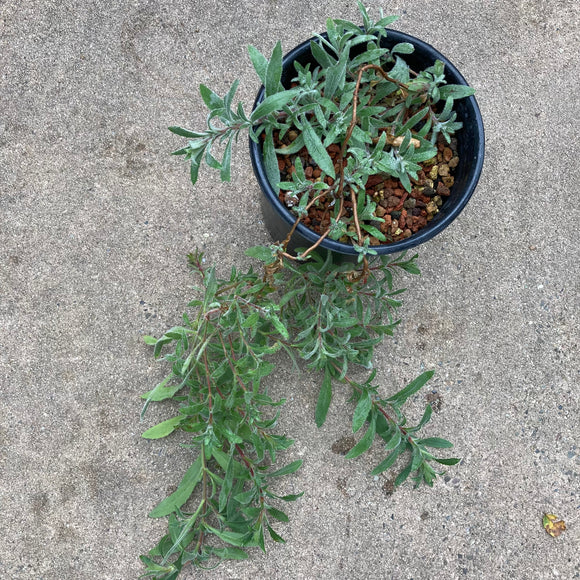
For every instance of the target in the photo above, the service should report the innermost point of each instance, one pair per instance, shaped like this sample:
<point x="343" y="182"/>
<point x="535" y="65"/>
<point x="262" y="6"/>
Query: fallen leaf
<point x="553" y="525"/>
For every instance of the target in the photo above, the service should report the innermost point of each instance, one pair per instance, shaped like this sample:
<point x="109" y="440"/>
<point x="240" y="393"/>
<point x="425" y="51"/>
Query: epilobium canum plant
<point x="359" y="115"/>
<point x="357" y="140"/>
<point x="324" y="314"/>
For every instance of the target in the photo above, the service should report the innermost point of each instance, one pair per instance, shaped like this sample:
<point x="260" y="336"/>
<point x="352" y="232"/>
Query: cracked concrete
<point x="96" y="219"/>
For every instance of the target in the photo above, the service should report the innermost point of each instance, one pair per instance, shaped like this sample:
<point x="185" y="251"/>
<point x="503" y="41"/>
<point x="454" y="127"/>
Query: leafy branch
<point x="357" y="94"/>
<point x="328" y="317"/>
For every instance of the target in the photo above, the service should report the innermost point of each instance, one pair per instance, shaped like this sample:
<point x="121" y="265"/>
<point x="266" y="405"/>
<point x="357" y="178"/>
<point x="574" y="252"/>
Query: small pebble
<point x="432" y="208"/>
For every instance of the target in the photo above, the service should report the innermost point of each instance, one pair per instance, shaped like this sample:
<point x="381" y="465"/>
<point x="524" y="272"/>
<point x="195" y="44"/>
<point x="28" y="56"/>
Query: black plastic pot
<point x="471" y="147"/>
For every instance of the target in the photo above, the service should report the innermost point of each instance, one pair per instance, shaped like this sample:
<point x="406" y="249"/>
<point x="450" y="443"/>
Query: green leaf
<point x="366" y="441"/>
<point x="272" y="103"/>
<point x="424" y="419"/>
<point x="259" y="538"/>
<point x="210" y="98"/>
<point x="435" y="442"/>
<point x="455" y="91"/>
<point x="374" y="232"/>
<point x="386" y="21"/>
<point x="362" y="411"/>
<point x="294" y="147"/>
<point x="403" y="48"/>
<point x="150" y="340"/>
<point x="404" y="474"/>
<point x="186" y="133"/>
<point x="290" y="468"/>
<point x="259" y="61"/>
<point x="388" y="462"/>
<point x="230" y="553"/>
<point x="234" y="538"/>
<point x="226" y="161"/>
<point x="227" y="484"/>
<point x="365" y="16"/>
<point x="230" y="95"/>
<point x="160" y="392"/>
<point x="261" y="253"/>
<point x="274" y="71"/>
<point x="251" y="320"/>
<point x="324" y="398"/>
<point x="394" y="440"/>
<point x="163" y="429"/>
<point x="335" y="76"/>
<point x="451" y="461"/>
<point x="413" y="387"/>
<point x="409" y="265"/>
<point x="194" y="167"/>
<point x="182" y="493"/>
<point x="400" y="71"/>
<point x="153" y="566"/>
<point x="413" y="121"/>
<point x="292" y="496"/>
<point x="316" y="149"/>
<point x="323" y="58"/>
<point x="279" y="515"/>
<point x="271" y="161"/>
<point x="279" y="326"/>
<point x="246" y="497"/>
<point x="276" y="537"/>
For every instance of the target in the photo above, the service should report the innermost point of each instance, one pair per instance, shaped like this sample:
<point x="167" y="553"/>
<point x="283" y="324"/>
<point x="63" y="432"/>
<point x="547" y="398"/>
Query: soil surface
<point x="404" y="213"/>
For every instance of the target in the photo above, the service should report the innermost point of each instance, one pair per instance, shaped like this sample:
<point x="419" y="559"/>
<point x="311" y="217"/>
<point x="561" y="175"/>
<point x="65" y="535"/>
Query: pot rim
<point x="422" y="235"/>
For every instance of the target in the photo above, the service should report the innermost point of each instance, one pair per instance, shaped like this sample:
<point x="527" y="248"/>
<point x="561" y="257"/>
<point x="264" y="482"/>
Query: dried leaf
<point x="553" y="525"/>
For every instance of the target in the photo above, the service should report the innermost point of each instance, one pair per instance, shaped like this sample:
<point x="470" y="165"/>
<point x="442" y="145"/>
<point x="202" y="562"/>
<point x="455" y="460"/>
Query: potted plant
<point x="351" y="143"/>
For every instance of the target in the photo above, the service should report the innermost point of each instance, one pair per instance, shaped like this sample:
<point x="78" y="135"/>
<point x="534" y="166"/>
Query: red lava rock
<point x="374" y="180"/>
<point x="386" y="225"/>
<point x="403" y="212"/>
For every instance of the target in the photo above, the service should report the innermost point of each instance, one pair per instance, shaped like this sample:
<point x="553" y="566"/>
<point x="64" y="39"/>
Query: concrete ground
<point x="96" y="219"/>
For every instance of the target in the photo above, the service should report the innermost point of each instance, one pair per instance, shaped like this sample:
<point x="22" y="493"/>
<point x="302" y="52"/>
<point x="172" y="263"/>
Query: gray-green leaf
<point x="274" y="71"/>
<point x="316" y="149"/>
<point x="361" y="412"/>
<point x="366" y="441"/>
<point x="324" y="398"/>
